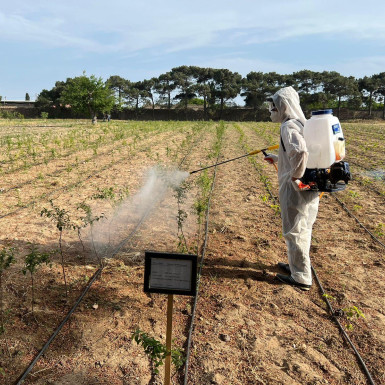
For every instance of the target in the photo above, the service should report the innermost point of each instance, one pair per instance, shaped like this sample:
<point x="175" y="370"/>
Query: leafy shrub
<point x="11" y="115"/>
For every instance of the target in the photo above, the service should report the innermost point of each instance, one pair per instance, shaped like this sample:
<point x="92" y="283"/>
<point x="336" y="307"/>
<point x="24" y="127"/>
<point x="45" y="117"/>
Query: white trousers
<point x="298" y="211"/>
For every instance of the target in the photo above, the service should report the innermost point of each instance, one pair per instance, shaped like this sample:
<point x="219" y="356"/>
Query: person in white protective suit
<point x="298" y="207"/>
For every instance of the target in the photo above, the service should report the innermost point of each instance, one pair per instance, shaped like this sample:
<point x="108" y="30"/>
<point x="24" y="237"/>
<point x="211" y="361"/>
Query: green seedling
<point x="180" y="195"/>
<point x="106" y="193"/>
<point x="352" y="312"/>
<point x="87" y="219"/>
<point x="200" y="206"/>
<point x="156" y="351"/>
<point x="7" y="257"/>
<point x="357" y="207"/>
<point x="353" y="194"/>
<point x="328" y="296"/>
<point x="33" y="260"/>
<point x="276" y="208"/>
<point x="379" y="230"/>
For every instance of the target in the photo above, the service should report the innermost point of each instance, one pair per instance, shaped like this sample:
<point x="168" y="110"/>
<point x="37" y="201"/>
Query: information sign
<point x="170" y="273"/>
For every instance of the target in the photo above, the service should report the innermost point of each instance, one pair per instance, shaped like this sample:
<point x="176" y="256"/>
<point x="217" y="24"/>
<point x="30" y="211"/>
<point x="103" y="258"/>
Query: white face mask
<point x="274" y="116"/>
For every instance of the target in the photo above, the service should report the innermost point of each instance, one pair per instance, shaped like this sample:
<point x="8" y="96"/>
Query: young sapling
<point x="63" y="221"/>
<point x="33" y="260"/>
<point x="156" y="351"/>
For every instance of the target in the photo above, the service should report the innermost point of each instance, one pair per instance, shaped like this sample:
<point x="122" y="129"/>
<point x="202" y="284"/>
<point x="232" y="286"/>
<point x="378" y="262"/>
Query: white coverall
<point x="298" y="208"/>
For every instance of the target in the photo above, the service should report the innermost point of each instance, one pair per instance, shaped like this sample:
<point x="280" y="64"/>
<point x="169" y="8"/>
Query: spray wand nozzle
<point x="263" y="150"/>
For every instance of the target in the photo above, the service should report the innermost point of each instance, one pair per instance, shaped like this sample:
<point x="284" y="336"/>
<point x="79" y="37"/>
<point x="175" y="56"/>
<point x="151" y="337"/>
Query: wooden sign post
<point x="167" y="368"/>
<point x="170" y="273"/>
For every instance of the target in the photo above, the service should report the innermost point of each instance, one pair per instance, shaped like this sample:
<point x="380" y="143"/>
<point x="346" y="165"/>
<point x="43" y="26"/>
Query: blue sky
<point x="44" y="41"/>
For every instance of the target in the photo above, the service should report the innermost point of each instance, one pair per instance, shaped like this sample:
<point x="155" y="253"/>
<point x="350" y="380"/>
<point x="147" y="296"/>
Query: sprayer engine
<point x="330" y="179"/>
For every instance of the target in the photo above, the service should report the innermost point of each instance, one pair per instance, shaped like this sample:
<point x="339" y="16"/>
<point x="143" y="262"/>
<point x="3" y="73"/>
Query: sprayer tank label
<point x="336" y="128"/>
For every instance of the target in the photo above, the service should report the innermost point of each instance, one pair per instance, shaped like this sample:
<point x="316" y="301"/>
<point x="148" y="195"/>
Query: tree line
<point x="214" y="89"/>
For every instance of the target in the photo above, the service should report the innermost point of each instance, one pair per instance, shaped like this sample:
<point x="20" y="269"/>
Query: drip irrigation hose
<point x="342" y="329"/>
<point x="199" y="279"/>
<point x="56" y="332"/>
<point x="357" y="220"/>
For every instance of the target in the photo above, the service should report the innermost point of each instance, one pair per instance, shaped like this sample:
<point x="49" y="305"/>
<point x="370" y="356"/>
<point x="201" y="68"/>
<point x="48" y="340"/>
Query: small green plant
<point x="180" y="195"/>
<point x="379" y="230"/>
<point x="104" y="193"/>
<point x="353" y="194"/>
<point x="7" y="257"/>
<point x="62" y="219"/>
<point x="156" y="351"/>
<point x="357" y="207"/>
<point x="352" y="312"/>
<point x="33" y="260"/>
<point x="87" y="219"/>
<point x="276" y="208"/>
<point x="328" y="296"/>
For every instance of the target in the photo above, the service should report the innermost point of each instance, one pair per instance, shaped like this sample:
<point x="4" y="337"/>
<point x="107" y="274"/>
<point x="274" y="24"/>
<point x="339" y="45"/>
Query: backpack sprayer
<point x="325" y="169"/>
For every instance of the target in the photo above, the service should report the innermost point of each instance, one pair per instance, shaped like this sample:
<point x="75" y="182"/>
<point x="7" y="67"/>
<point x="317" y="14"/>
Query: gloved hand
<point x="271" y="158"/>
<point x="301" y="186"/>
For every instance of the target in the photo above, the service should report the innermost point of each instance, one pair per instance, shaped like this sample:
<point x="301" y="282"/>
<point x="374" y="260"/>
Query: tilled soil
<point x="248" y="327"/>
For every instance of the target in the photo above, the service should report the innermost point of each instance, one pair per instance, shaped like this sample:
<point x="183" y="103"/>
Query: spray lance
<point x="263" y="150"/>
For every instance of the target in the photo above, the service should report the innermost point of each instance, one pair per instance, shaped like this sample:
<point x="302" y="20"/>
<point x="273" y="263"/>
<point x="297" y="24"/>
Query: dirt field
<point x="248" y="328"/>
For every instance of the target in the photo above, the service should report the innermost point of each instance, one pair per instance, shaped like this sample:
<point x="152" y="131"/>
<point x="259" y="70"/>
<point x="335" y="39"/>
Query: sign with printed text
<point x="170" y="273"/>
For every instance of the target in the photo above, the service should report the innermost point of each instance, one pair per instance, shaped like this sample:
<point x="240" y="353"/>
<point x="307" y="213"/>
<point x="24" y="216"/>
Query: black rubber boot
<point x="290" y="281"/>
<point x="284" y="267"/>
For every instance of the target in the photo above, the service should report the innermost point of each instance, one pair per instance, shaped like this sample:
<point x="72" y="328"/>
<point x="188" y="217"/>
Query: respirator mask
<point x="274" y="116"/>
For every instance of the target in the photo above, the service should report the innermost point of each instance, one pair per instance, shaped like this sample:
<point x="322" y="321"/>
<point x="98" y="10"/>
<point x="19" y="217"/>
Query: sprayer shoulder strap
<point x="298" y="122"/>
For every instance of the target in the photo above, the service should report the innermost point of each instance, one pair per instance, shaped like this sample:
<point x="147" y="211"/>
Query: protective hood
<point x="287" y="103"/>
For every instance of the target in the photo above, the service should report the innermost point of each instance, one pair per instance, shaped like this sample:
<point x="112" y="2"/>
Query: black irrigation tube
<point x="333" y="314"/>
<point x="199" y="276"/>
<point x="360" y="165"/>
<point x="56" y="332"/>
<point x="357" y="220"/>
<point x="95" y="276"/>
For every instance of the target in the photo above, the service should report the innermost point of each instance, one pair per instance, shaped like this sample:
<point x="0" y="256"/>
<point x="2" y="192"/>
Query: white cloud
<point x="18" y="28"/>
<point x="180" y="25"/>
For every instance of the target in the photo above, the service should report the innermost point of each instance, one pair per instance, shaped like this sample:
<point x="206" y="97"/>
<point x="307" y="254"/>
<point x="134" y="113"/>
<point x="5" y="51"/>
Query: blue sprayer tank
<point x="324" y="139"/>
